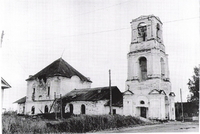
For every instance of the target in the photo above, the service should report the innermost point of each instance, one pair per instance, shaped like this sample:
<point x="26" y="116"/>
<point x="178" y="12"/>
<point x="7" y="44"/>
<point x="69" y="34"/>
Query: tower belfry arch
<point x="148" y="72"/>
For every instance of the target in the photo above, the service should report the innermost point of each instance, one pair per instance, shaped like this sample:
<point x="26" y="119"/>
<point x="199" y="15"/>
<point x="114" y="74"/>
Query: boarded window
<point x="143" y="68"/>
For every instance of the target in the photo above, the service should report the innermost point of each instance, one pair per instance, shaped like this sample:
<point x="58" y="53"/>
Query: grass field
<point x="13" y="123"/>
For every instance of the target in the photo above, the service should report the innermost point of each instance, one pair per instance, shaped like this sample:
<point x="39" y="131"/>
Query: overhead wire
<point x="90" y="11"/>
<point x="97" y="32"/>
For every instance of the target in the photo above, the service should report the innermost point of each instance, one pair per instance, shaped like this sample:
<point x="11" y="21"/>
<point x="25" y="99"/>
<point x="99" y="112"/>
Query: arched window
<point x="46" y="109"/>
<point x="143" y="68"/>
<point x="162" y="63"/>
<point x="33" y="110"/>
<point x="142" y="31"/>
<point x="33" y="90"/>
<point x="71" y="108"/>
<point x="158" y="30"/>
<point x="82" y="109"/>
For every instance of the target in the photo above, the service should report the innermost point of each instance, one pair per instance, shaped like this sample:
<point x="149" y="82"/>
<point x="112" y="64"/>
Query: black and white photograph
<point x="100" y="66"/>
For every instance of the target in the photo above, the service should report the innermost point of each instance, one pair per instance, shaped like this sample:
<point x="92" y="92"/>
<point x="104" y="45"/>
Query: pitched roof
<point x="59" y="68"/>
<point x="4" y="84"/>
<point x="22" y="100"/>
<point x="156" y="91"/>
<point x="146" y="17"/>
<point x="128" y="91"/>
<point x="95" y="94"/>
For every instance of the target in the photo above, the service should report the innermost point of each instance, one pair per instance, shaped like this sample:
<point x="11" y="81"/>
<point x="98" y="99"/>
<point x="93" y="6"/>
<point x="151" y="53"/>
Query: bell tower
<point x="147" y="58"/>
<point x="148" y="74"/>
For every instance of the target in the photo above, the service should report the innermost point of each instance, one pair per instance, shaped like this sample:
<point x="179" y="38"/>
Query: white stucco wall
<point x="92" y="107"/>
<point x="21" y="108"/>
<point x="39" y="107"/>
<point x="58" y="84"/>
<point x="154" y="104"/>
<point x="128" y="105"/>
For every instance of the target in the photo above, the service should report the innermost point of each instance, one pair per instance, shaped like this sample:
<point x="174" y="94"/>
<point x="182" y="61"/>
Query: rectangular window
<point x="114" y="111"/>
<point x="48" y="92"/>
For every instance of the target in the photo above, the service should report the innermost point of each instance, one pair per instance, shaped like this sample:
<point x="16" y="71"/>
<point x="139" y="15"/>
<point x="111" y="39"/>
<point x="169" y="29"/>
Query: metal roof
<point x="95" y="94"/>
<point x="4" y="84"/>
<point x="59" y="68"/>
<point x="20" y="101"/>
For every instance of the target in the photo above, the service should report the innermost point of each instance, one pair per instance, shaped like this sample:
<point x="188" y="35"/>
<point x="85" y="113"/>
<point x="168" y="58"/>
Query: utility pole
<point x="181" y="105"/>
<point x="111" y="112"/>
<point x="199" y="76"/>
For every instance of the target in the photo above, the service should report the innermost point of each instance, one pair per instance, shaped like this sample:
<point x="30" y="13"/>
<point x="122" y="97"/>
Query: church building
<point x="147" y="92"/>
<point x="148" y="89"/>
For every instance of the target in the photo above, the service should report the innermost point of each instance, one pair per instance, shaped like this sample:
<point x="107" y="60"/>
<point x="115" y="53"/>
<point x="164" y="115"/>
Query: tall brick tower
<point x="148" y="88"/>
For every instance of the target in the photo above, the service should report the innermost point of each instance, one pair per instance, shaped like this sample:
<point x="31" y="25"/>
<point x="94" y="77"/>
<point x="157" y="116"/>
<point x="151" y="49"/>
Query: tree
<point x="193" y="86"/>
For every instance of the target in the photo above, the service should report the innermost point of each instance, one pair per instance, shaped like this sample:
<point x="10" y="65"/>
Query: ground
<point x="175" y="126"/>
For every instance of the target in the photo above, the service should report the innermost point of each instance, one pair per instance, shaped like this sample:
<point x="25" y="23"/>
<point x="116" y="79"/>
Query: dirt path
<point x="165" y="127"/>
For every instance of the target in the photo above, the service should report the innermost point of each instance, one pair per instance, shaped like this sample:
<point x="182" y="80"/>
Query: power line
<point x="181" y="19"/>
<point x="92" y="11"/>
<point x="97" y="32"/>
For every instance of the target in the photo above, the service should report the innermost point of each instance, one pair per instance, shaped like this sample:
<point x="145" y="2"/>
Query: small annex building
<point x="93" y="101"/>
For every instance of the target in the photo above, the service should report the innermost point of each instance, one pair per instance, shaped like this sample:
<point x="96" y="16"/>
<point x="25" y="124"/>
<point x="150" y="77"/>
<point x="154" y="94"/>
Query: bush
<point x="85" y="123"/>
<point x="13" y="123"/>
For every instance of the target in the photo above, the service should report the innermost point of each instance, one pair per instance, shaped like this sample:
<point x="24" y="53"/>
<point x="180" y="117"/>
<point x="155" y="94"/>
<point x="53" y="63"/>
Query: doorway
<point x="143" y="112"/>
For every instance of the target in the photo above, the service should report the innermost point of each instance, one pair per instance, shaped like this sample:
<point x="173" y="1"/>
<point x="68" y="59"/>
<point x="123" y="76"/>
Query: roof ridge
<point x="94" y="87"/>
<point x="59" y="68"/>
<point x="59" y="64"/>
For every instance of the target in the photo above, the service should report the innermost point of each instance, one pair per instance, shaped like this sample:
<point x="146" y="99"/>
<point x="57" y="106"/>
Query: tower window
<point x="158" y="30"/>
<point x="142" y="31"/>
<point x="48" y="92"/>
<point x="162" y="67"/>
<point x="143" y="68"/>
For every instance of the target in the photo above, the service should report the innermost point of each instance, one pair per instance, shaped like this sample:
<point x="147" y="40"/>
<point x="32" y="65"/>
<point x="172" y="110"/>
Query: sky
<point x="93" y="36"/>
